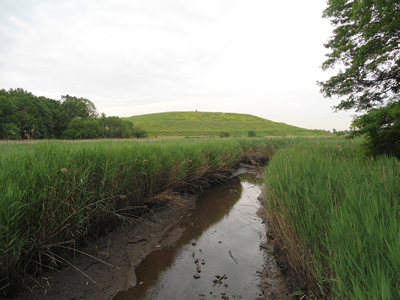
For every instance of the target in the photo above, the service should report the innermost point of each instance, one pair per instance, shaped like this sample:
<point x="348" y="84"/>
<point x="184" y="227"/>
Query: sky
<point x="138" y="57"/>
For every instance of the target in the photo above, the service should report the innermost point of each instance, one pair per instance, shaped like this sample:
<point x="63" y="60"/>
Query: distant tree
<point x="40" y="117"/>
<point x="88" y="128"/>
<point x="25" y="120"/>
<point x="342" y="132"/>
<point x="252" y="133"/>
<point x="8" y="112"/>
<point x="61" y="121"/>
<point x="91" y="129"/>
<point x="139" y="133"/>
<point x="365" y="46"/>
<point x="73" y="129"/>
<point x="33" y="113"/>
<point x="11" y="131"/>
<point x="78" y="107"/>
<point x="115" y="127"/>
<point x="224" y="134"/>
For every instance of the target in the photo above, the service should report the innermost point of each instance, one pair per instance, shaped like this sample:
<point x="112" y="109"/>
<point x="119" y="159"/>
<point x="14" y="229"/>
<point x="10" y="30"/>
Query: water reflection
<point x="223" y="232"/>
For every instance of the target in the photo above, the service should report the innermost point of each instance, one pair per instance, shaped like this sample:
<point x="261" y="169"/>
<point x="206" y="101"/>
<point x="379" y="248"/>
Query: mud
<point x="107" y="266"/>
<point x="177" y="252"/>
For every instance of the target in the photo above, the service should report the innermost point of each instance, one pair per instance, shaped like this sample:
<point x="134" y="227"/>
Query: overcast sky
<point x="259" y="57"/>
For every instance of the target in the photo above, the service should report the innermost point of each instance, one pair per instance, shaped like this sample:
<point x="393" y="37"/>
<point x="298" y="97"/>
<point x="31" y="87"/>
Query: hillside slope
<point x="212" y="124"/>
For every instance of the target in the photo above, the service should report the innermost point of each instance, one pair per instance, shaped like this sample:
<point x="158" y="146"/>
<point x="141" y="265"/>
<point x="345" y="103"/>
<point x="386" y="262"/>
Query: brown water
<point x="224" y="234"/>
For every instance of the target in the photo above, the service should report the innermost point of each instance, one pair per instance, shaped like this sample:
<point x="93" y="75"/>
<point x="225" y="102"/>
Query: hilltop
<point x="213" y="123"/>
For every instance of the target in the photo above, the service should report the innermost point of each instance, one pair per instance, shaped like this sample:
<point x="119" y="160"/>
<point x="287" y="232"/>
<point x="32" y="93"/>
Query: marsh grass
<point x="335" y="215"/>
<point x="55" y="193"/>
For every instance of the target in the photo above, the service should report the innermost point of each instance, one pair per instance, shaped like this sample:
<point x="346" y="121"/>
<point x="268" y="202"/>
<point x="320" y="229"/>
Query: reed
<point x="55" y="193"/>
<point x="333" y="213"/>
<point x="335" y="217"/>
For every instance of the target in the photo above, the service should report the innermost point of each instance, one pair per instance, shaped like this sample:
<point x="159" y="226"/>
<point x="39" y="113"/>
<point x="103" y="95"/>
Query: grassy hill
<point x="212" y="124"/>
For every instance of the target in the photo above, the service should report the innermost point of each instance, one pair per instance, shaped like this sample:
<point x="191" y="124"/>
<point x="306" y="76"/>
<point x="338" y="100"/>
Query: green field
<point x="212" y="124"/>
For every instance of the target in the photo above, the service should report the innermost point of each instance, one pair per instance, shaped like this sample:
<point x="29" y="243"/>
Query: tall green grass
<point x="54" y="193"/>
<point x="336" y="216"/>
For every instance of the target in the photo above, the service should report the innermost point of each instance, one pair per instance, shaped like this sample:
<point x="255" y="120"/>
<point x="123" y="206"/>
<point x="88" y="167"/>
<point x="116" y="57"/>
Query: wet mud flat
<point x="208" y="247"/>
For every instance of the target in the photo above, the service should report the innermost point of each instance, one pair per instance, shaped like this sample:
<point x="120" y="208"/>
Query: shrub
<point x="139" y="133"/>
<point x="381" y="127"/>
<point x="224" y="134"/>
<point x="252" y="133"/>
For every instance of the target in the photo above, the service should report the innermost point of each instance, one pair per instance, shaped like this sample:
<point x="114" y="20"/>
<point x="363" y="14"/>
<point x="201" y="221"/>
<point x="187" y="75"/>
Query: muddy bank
<point x="128" y="255"/>
<point x="106" y="266"/>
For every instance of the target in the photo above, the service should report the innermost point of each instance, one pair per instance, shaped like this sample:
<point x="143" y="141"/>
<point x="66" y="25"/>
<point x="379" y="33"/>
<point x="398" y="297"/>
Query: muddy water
<point x="223" y="235"/>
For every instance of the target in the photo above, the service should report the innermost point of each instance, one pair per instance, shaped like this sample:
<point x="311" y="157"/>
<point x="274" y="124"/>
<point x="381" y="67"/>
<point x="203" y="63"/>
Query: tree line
<point x="26" y="116"/>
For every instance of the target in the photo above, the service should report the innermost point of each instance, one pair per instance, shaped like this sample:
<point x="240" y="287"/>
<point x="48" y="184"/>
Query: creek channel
<point x="222" y="252"/>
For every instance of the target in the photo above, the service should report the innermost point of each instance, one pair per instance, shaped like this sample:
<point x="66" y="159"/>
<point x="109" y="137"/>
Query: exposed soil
<point x="273" y="283"/>
<point x="122" y="250"/>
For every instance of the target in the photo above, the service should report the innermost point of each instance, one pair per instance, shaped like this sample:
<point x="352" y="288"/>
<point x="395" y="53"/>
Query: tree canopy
<point x="78" y="107"/>
<point x="24" y="116"/>
<point x="382" y="129"/>
<point x="365" y="46"/>
<point x="114" y="127"/>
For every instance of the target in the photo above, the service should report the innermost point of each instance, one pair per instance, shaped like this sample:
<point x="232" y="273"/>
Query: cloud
<point x="142" y="56"/>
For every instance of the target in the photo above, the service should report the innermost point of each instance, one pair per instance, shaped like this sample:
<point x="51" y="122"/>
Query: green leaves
<point x="365" y="45"/>
<point x="78" y="107"/>
<point x="11" y="131"/>
<point x="83" y="129"/>
<point x="115" y="127"/>
<point x="382" y="128"/>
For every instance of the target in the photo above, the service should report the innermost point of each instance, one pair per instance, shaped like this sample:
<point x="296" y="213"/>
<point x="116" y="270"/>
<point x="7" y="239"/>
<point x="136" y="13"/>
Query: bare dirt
<point x="273" y="283"/>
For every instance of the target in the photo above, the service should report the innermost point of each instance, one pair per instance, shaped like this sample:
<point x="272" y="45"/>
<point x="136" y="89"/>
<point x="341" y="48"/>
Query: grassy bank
<point x="336" y="218"/>
<point x="212" y="124"/>
<point x="54" y="193"/>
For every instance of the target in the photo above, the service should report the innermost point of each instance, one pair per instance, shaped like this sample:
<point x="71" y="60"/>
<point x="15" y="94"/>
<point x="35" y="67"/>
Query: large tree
<point x="365" y="46"/>
<point x="78" y="107"/>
